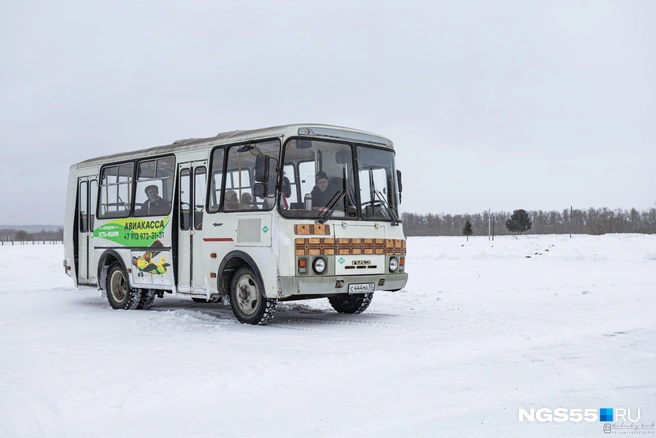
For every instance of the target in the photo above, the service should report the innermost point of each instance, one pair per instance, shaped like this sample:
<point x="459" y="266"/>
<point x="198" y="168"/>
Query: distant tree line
<point x="24" y="236"/>
<point x="591" y="221"/>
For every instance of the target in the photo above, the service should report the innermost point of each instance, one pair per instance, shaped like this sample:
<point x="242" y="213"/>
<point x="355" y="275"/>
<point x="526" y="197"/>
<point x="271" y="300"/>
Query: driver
<point x="155" y="204"/>
<point x="321" y="194"/>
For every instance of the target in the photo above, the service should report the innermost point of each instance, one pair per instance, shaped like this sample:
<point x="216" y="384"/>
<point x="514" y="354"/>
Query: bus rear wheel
<point x="351" y="303"/>
<point x="247" y="299"/>
<point x="119" y="293"/>
<point x="146" y="299"/>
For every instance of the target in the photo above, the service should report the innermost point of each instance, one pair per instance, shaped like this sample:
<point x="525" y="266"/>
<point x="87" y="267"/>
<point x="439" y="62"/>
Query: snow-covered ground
<point x="480" y="331"/>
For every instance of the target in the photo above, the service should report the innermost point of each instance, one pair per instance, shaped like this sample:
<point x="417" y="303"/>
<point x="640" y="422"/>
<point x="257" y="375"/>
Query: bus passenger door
<point x="191" y="208"/>
<point x="87" y="196"/>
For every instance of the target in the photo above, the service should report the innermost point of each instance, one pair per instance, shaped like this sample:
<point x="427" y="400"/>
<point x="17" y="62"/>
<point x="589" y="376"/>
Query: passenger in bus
<point x="231" y="201"/>
<point x="247" y="202"/>
<point x="322" y="193"/>
<point x="155" y="204"/>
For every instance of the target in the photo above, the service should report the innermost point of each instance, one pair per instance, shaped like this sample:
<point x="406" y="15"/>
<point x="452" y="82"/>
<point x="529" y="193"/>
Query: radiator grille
<point x="330" y="246"/>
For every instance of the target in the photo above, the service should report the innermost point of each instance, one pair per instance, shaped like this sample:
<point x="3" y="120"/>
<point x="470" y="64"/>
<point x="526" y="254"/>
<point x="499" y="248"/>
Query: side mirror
<point x="260" y="190"/>
<point x="262" y="168"/>
<point x="400" y="183"/>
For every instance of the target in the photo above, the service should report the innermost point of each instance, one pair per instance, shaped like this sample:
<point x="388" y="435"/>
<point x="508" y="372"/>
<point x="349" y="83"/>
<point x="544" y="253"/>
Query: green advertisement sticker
<point x="132" y="232"/>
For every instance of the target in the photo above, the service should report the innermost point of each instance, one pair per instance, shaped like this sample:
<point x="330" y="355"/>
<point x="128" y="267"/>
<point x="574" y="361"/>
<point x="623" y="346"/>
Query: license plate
<point x="360" y="287"/>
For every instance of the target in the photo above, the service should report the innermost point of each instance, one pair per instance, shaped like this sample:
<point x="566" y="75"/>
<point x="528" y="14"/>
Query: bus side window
<point x="216" y="180"/>
<point x="185" y="199"/>
<point x="238" y="184"/>
<point x="200" y="184"/>
<point x="154" y="192"/>
<point x="82" y="202"/>
<point x="115" y="190"/>
<point x="240" y="176"/>
<point x="93" y="193"/>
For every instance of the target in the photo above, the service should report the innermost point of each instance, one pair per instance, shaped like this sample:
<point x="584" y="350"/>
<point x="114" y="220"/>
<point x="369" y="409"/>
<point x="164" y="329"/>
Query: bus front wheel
<point x="119" y="293"/>
<point x="346" y="303"/>
<point x="248" y="302"/>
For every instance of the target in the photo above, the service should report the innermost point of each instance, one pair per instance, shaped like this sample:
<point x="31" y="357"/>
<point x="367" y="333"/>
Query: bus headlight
<point x="393" y="264"/>
<point x="319" y="265"/>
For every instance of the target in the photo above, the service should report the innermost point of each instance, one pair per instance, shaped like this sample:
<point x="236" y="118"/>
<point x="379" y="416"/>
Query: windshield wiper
<point x="323" y="217"/>
<point x="395" y="220"/>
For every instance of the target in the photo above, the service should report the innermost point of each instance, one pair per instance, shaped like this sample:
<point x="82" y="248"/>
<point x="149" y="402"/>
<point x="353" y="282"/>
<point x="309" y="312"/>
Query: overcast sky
<point x="491" y="104"/>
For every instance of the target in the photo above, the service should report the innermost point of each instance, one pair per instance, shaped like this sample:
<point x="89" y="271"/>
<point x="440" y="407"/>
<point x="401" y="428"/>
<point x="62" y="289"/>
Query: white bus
<point x="246" y="218"/>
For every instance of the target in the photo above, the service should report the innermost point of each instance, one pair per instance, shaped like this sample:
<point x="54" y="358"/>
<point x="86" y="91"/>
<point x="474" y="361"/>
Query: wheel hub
<point x="119" y="287"/>
<point x="247" y="295"/>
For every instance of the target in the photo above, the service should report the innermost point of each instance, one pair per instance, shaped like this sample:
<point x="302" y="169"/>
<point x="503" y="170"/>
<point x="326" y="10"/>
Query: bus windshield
<point x="319" y="181"/>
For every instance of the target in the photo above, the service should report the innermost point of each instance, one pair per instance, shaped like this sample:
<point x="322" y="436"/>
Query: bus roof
<point x="309" y="129"/>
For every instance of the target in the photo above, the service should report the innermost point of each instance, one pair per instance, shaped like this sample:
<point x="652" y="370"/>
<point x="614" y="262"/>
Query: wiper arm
<point x="323" y="217"/>
<point x="395" y="220"/>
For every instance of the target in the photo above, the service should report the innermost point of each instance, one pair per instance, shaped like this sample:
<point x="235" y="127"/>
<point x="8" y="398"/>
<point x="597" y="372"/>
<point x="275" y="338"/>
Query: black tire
<point x="147" y="299"/>
<point x="247" y="299"/>
<point x="119" y="293"/>
<point x="351" y="303"/>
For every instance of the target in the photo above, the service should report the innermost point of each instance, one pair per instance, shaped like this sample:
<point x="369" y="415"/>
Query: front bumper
<point x="326" y="285"/>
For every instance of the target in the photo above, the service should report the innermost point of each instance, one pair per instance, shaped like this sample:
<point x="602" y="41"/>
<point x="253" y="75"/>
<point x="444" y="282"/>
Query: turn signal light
<point x="302" y="266"/>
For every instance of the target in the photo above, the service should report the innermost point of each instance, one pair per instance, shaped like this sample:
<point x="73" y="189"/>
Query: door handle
<point x="217" y="224"/>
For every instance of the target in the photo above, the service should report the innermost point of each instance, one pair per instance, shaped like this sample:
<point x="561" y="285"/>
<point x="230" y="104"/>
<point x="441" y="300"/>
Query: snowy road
<point x="480" y="331"/>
